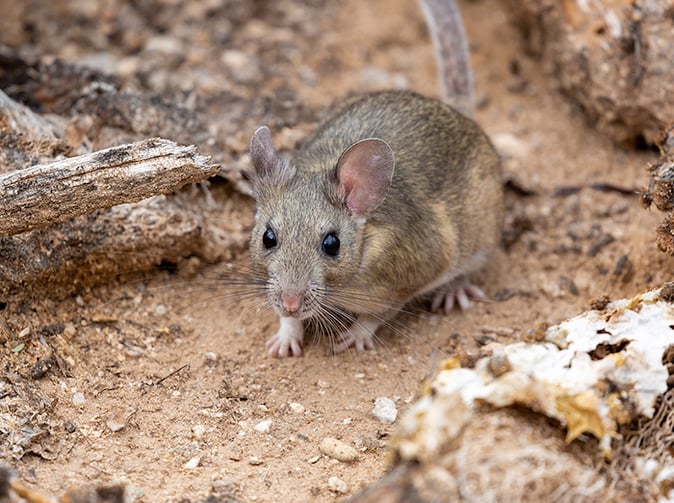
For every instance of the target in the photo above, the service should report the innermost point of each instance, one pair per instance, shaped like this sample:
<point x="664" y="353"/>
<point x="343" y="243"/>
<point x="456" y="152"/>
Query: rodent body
<point x="394" y="195"/>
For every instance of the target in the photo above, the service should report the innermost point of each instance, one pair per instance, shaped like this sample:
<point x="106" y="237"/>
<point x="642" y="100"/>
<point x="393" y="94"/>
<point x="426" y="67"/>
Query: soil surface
<point x="162" y="381"/>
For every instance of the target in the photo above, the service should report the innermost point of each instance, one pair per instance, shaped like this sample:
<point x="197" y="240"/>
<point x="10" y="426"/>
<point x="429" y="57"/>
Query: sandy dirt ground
<point x="162" y="381"/>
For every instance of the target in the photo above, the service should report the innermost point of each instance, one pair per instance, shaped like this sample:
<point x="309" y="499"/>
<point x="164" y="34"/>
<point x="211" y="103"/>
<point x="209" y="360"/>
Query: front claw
<point x="288" y="339"/>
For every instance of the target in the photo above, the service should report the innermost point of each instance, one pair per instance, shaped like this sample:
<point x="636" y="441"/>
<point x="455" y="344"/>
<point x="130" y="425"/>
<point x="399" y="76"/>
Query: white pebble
<point x="296" y="407"/>
<point x="78" y="398"/>
<point x="255" y="461"/>
<point x="160" y="309"/>
<point x="385" y="410"/>
<point x="114" y="426"/>
<point x="338" y="450"/>
<point x="263" y="426"/>
<point x="198" y="431"/>
<point x="193" y="463"/>
<point x="337" y="485"/>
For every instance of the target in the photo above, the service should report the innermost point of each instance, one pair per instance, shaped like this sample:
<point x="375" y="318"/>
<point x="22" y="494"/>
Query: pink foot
<point x="359" y="341"/>
<point x="359" y="336"/>
<point x="456" y="296"/>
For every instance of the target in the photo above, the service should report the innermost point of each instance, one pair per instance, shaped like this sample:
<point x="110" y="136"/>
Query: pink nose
<point x="292" y="301"/>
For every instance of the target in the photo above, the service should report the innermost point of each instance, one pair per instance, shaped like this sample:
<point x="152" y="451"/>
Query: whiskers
<point x="230" y="286"/>
<point x="334" y="322"/>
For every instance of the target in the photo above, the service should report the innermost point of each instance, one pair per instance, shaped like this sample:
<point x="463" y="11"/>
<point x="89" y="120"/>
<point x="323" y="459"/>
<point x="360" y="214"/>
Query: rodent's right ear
<point x="262" y="152"/>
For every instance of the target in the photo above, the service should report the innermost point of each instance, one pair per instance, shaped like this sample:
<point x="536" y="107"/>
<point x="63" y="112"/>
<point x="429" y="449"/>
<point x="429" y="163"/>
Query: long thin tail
<point x="451" y="51"/>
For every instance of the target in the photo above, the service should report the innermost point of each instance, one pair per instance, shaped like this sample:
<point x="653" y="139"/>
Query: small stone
<point x="337" y="485"/>
<point x="313" y="460"/>
<point x="160" y="309"/>
<point x="385" y="410"/>
<point x="114" y="426"/>
<point x="193" y="463"/>
<point x="263" y="426"/>
<point x="338" y="450"/>
<point x="78" y="398"/>
<point x="296" y="407"/>
<point x="255" y="461"/>
<point x="41" y="368"/>
<point x="69" y="330"/>
<point x="198" y="431"/>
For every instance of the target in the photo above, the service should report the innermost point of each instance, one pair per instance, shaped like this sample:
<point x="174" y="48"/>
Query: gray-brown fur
<point x="412" y="189"/>
<point x="442" y="208"/>
<point x="441" y="157"/>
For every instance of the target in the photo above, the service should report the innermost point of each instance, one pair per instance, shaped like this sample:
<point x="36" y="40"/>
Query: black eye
<point x="269" y="239"/>
<point x="330" y="244"/>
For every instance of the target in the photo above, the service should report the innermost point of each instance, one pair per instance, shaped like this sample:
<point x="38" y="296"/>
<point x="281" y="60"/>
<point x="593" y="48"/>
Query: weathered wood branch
<point x="21" y="118"/>
<point x="42" y="195"/>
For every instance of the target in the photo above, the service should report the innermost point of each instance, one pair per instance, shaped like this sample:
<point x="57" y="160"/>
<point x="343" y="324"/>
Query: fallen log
<point x="42" y="195"/>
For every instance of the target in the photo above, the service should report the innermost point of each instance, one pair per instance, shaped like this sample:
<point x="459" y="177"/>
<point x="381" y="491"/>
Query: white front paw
<point x="288" y="339"/>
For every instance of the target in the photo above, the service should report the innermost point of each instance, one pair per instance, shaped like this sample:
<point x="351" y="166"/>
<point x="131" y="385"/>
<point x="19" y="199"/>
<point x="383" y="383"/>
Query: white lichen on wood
<point x="592" y="373"/>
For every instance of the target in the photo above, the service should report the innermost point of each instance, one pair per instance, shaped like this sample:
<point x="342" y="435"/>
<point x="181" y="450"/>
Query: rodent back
<point x="435" y="150"/>
<point x="433" y="145"/>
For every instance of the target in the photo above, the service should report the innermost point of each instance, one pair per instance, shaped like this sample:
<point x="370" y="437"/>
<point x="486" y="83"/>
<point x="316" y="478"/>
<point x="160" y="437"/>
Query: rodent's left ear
<point x="262" y="152"/>
<point x="364" y="174"/>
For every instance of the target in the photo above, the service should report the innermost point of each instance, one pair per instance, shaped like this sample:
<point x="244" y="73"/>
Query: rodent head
<point x="309" y="225"/>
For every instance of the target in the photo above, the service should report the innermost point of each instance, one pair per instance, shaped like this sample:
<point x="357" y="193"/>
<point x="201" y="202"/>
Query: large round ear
<point x="262" y="152"/>
<point x="364" y="174"/>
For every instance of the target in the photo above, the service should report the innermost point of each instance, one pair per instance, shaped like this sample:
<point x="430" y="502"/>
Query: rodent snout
<point x="291" y="301"/>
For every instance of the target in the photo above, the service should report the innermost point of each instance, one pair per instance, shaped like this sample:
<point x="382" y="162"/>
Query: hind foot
<point x="456" y="295"/>
<point x="359" y="336"/>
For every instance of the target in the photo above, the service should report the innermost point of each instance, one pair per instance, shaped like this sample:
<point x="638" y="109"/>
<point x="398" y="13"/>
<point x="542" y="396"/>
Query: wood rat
<point x="393" y="196"/>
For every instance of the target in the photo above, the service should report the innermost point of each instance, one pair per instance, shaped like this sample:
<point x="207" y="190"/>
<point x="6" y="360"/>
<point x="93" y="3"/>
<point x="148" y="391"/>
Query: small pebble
<point x="385" y="410"/>
<point x="198" y="431"/>
<point x="255" y="461"/>
<point x="114" y="426"/>
<point x="78" y="398"/>
<point x="338" y="450"/>
<point x="263" y="426"/>
<point x="337" y="485"/>
<point x="193" y="463"/>
<point x="296" y="407"/>
<point x="313" y="460"/>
